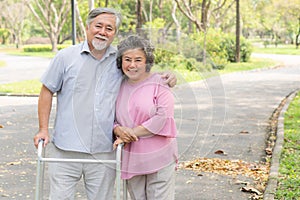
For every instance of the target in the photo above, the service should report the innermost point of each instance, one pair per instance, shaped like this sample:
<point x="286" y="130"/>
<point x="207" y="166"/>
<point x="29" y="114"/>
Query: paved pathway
<point x="210" y="116"/>
<point x="20" y="68"/>
<point x="226" y="106"/>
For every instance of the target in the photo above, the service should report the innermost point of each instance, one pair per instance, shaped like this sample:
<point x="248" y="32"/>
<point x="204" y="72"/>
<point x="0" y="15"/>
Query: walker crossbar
<point x="40" y="170"/>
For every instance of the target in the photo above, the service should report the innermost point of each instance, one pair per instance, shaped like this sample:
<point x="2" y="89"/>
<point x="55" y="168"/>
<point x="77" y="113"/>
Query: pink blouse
<point x="149" y="103"/>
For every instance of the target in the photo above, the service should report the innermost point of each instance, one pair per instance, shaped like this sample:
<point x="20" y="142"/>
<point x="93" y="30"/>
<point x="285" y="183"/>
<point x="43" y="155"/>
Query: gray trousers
<point x="98" y="179"/>
<point x="155" y="186"/>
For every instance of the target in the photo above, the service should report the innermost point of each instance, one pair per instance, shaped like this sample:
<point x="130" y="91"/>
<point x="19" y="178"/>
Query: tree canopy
<point x="269" y="20"/>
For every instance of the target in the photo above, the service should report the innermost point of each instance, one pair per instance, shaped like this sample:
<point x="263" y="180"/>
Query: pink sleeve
<point x="162" y="122"/>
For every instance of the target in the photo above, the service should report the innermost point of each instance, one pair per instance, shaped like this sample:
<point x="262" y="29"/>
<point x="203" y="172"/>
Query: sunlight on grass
<point x="286" y="49"/>
<point x="2" y="63"/>
<point x="36" y="54"/>
<point x="254" y="63"/>
<point x="289" y="182"/>
<point x="23" y="87"/>
<point x="183" y="76"/>
<point x="11" y="50"/>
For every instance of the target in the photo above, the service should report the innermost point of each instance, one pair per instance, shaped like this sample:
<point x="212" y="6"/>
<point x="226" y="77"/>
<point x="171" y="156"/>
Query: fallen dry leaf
<point x="14" y="163"/>
<point x="220" y="152"/>
<point x="238" y="182"/>
<point x="259" y="172"/>
<point x="251" y="189"/>
<point x="269" y="151"/>
<point x="244" y="132"/>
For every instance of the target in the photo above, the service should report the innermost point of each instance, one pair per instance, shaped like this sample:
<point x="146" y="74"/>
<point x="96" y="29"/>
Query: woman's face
<point x="134" y="65"/>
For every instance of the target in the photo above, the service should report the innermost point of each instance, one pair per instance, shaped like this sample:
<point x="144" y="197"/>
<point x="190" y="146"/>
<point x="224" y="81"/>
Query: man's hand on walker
<point x="41" y="136"/>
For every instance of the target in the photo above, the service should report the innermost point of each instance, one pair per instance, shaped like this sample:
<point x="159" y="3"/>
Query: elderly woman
<point x="145" y="122"/>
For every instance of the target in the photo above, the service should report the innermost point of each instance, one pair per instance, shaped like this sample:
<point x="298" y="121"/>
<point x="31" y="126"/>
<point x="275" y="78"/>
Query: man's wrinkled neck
<point x="98" y="54"/>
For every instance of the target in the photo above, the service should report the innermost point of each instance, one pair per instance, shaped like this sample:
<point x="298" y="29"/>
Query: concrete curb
<point x="270" y="190"/>
<point x="18" y="95"/>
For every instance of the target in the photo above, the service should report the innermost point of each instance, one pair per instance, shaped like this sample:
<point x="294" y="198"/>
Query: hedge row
<point x="42" y="47"/>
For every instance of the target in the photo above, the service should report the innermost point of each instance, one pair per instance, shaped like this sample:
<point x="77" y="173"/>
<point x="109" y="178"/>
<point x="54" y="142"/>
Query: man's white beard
<point x="99" y="45"/>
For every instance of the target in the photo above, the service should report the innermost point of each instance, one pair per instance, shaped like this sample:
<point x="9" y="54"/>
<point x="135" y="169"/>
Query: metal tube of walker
<point x="41" y="159"/>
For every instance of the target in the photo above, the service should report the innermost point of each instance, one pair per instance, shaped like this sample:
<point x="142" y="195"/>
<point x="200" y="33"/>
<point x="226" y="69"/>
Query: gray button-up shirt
<point x="86" y="90"/>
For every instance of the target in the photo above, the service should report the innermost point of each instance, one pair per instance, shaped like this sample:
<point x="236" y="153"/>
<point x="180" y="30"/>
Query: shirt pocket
<point x="108" y="90"/>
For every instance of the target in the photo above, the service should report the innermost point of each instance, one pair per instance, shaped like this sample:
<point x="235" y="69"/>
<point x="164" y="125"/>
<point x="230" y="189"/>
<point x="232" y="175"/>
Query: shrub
<point x="215" y="55"/>
<point x="246" y="50"/>
<point x="4" y="35"/>
<point x="229" y="45"/>
<point x="174" y="60"/>
<point x="220" y="48"/>
<point x="42" y="47"/>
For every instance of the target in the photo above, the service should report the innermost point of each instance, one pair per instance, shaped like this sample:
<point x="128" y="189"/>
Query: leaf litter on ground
<point x="258" y="172"/>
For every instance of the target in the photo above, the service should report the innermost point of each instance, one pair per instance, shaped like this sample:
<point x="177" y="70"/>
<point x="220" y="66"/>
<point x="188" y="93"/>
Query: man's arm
<point x="44" y="109"/>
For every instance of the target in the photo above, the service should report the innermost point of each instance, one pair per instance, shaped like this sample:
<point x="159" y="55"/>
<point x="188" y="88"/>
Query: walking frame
<point x="40" y="170"/>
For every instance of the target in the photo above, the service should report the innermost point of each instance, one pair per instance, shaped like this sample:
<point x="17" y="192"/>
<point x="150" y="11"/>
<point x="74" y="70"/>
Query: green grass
<point x="22" y="87"/>
<point x="184" y="76"/>
<point x="36" y="54"/>
<point x="2" y="63"/>
<point x="289" y="179"/>
<point x="281" y="49"/>
<point x="19" y="52"/>
<point x="254" y="63"/>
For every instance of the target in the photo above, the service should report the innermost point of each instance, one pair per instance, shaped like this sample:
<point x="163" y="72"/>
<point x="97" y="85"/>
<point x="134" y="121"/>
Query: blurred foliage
<point x="42" y="47"/>
<point x="186" y="47"/>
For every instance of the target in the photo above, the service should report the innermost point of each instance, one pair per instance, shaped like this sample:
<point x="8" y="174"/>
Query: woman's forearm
<point x="141" y="131"/>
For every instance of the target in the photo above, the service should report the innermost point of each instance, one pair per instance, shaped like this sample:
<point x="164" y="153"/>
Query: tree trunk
<point x="80" y="22"/>
<point x="176" y="22"/>
<point x="238" y="32"/>
<point x="204" y="48"/>
<point x="150" y="10"/>
<point x="204" y="15"/>
<point x="54" y="41"/>
<point x="91" y="4"/>
<point x="139" y="17"/>
<point x="185" y="9"/>
<point x="190" y="23"/>
<point x="298" y="36"/>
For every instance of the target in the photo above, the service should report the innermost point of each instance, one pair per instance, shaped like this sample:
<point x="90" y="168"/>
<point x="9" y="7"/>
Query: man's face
<point x="101" y="31"/>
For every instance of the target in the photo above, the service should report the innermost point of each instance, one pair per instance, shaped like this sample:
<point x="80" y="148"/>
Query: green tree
<point x="14" y="15"/>
<point x="51" y="15"/>
<point x="4" y="34"/>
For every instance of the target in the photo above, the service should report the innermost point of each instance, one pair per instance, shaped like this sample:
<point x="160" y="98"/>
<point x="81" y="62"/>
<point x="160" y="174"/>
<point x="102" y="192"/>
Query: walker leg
<point x="124" y="190"/>
<point x="37" y="185"/>
<point x="118" y="172"/>
<point x="39" y="173"/>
